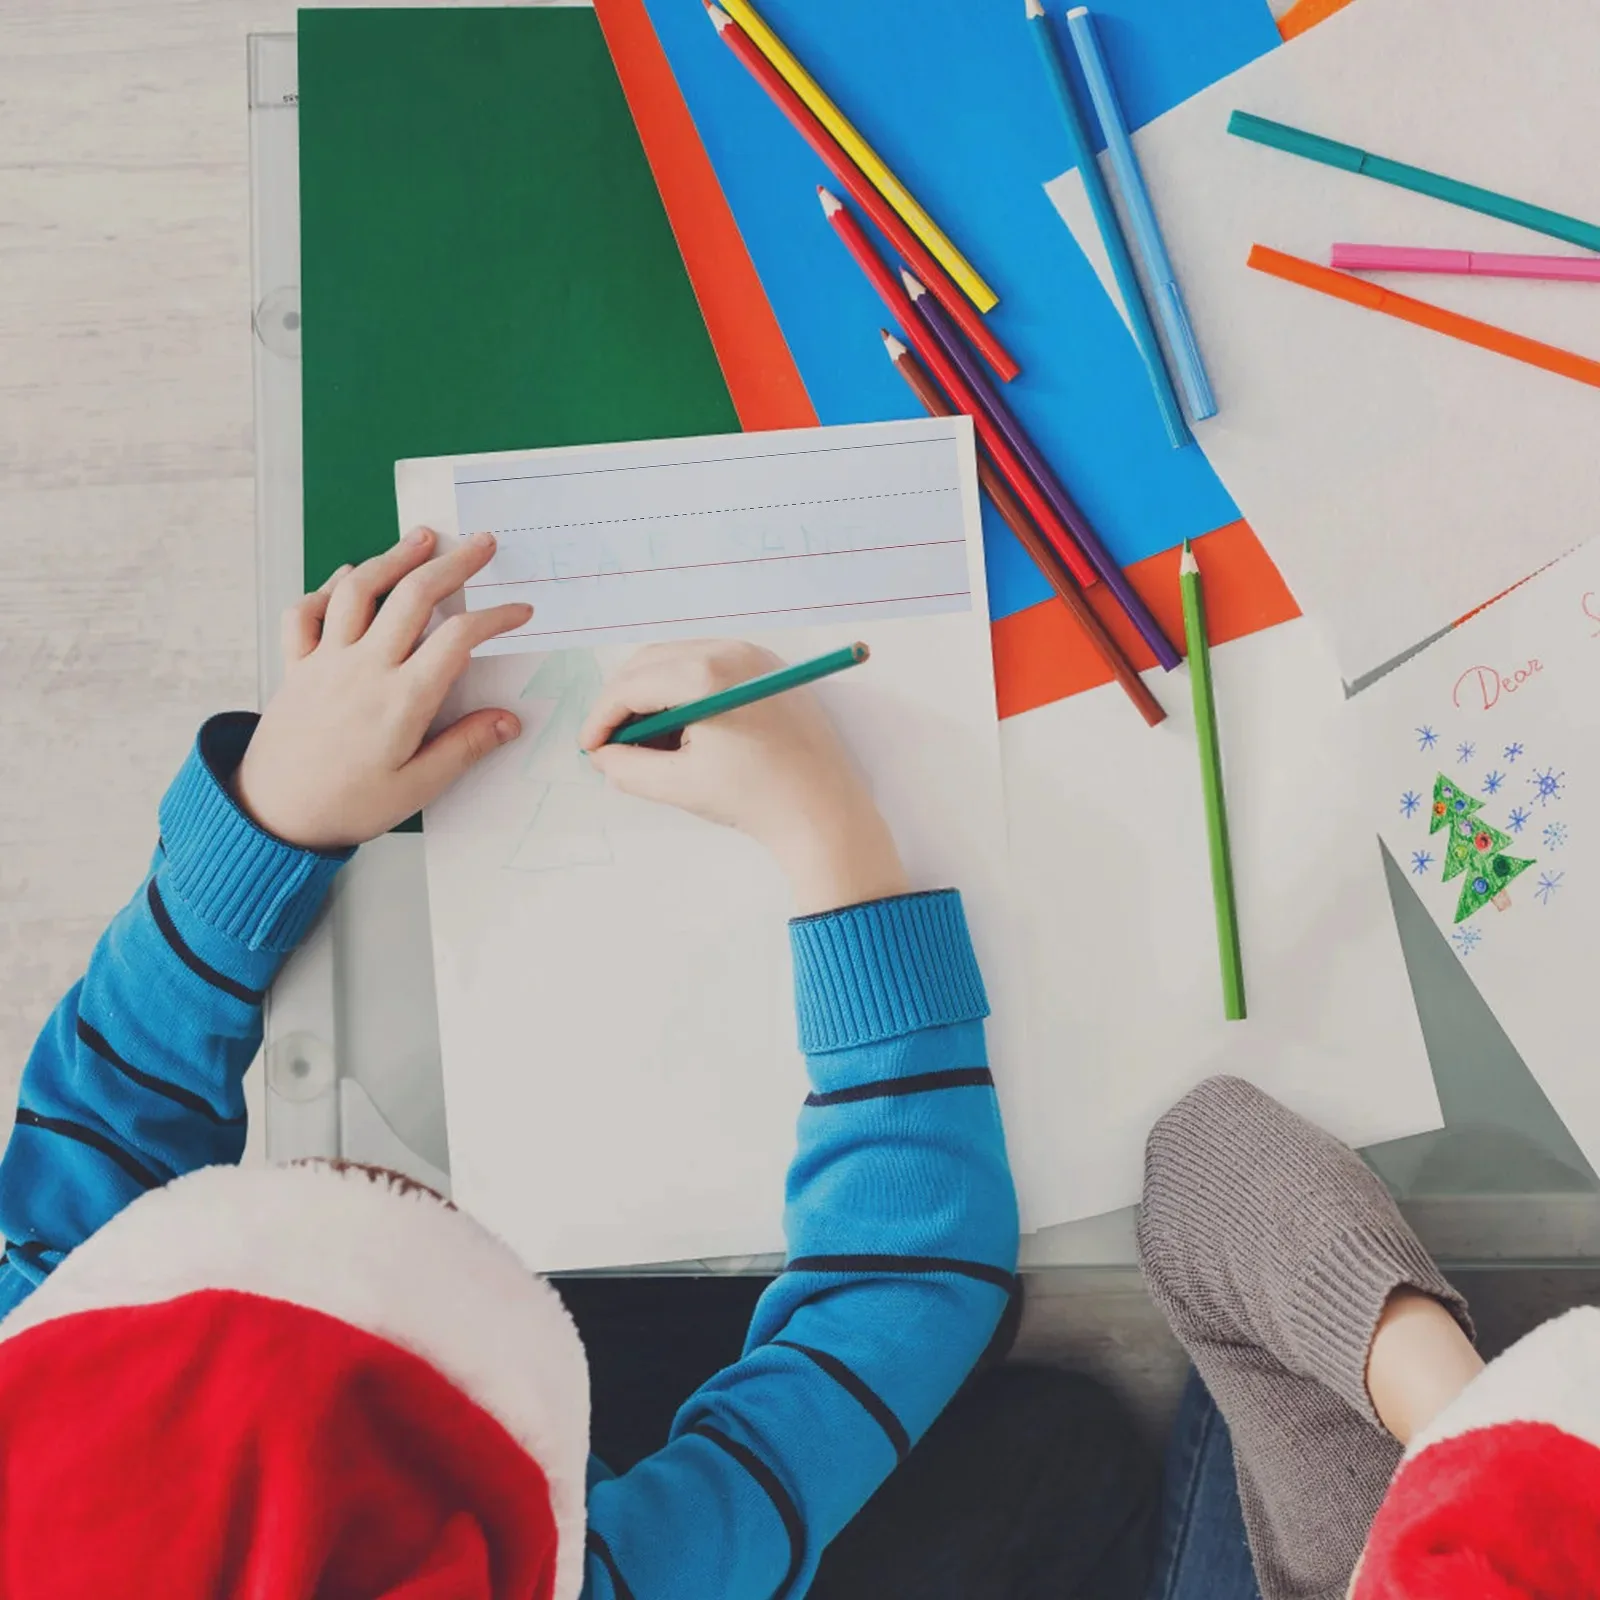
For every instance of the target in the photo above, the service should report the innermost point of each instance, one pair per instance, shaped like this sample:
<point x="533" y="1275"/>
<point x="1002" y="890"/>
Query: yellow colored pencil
<point x="862" y="153"/>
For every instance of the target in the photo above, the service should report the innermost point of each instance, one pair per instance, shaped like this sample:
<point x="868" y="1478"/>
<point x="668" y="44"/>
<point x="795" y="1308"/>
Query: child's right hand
<point x="774" y="770"/>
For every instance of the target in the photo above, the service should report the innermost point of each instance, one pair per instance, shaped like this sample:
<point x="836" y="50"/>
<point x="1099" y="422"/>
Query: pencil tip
<point x="892" y="345"/>
<point x="830" y="201"/>
<point x="913" y="288"/>
<point x="1034" y="8"/>
<point x="719" y="18"/>
<point x="860" y="651"/>
<point x="1188" y="562"/>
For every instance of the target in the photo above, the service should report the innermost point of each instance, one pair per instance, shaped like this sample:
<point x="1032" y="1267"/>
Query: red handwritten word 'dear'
<point x="1485" y="684"/>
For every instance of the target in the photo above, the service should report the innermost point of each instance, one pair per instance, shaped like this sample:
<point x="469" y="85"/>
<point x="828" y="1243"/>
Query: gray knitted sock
<point x="1272" y="1249"/>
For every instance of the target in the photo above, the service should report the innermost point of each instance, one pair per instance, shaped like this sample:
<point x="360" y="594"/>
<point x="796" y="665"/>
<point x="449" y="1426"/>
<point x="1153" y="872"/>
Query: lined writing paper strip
<point x="724" y="534"/>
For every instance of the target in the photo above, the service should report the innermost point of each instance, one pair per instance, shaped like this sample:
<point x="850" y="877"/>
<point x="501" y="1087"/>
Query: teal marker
<point x="741" y="694"/>
<point x="1348" y="158"/>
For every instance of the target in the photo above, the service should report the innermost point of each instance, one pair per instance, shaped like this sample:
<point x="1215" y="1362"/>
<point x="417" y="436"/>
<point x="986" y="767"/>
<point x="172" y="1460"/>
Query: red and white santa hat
<point x="294" y="1382"/>
<point x="1499" y="1499"/>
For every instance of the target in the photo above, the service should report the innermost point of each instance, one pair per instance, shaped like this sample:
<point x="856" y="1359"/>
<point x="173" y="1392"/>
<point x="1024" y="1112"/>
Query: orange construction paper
<point x="1041" y="654"/>
<point x="761" y="374"/>
<point x="1306" y="14"/>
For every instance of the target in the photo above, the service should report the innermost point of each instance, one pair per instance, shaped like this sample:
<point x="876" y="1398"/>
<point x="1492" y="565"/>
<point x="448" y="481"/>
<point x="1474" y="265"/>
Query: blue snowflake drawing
<point x="1555" y="835"/>
<point x="1519" y="819"/>
<point x="1547" y="784"/>
<point x="1465" y="752"/>
<point x="1409" y="802"/>
<point x="1466" y="939"/>
<point x="1513" y="751"/>
<point x="1421" y="860"/>
<point x="1426" y="738"/>
<point x="1492" y="782"/>
<point x="1549" y="882"/>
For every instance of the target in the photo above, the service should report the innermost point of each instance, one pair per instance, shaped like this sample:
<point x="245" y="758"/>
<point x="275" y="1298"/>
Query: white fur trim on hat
<point x="400" y="1265"/>
<point x="1551" y="1375"/>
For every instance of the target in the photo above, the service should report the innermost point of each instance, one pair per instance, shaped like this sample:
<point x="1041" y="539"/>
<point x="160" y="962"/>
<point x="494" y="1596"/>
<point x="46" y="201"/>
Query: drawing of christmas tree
<point x="1476" y="848"/>
<point x="564" y="827"/>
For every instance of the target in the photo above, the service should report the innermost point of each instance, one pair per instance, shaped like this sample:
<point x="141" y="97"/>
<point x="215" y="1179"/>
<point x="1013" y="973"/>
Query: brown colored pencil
<point x="1034" y="542"/>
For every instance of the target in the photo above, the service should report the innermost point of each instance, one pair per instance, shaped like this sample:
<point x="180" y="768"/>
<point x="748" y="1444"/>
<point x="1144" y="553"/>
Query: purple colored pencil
<point x="942" y="329"/>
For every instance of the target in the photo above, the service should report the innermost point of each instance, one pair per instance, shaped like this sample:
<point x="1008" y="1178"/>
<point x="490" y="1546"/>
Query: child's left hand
<point x="338" y="756"/>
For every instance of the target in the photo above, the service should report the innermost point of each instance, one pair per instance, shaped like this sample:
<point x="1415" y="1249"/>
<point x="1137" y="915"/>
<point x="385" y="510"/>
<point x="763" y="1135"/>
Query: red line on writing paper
<point x="696" y="566"/>
<point x="801" y="451"/>
<point x="731" y="616"/>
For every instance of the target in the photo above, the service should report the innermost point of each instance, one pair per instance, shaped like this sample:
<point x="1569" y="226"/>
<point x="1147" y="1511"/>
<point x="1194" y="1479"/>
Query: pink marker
<point x="1479" y="263"/>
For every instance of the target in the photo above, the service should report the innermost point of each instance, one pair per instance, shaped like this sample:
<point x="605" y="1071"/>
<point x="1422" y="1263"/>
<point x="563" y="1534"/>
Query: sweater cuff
<point x="1341" y="1295"/>
<point x="238" y="881"/>
<point x="884" y="969"/>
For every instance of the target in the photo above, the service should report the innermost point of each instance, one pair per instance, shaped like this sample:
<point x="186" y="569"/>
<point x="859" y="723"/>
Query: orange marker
<point x="1373" y="297"/>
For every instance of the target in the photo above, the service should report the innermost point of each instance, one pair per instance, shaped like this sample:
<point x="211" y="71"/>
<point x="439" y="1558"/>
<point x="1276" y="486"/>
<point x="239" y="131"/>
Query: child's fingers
<point x="356" y="595"/>
<point x="443" y="655"/>
<point x="449" y="755"/>
<point x="411" y="602"/>
<point x="648" y="774"/>
<point x="648" y="683"/>
<point x="302" y="622"/>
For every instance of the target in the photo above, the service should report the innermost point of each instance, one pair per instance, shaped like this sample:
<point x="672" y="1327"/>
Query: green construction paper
<point x="485" y="262"/>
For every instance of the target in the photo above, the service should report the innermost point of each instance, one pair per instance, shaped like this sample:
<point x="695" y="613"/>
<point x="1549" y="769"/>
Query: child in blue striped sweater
<point x="317" y="1381"/>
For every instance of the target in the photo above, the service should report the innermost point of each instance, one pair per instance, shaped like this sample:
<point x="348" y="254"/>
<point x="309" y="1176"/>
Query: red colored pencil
<point x="1043" y="553"/>
<point x="944" y="334"/>
<point x="954" y="385"/>
<point x="916" y="255"/>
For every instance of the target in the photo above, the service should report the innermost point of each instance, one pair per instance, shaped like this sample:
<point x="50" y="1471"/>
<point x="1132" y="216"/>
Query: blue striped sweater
<point x="900" y="1215"/>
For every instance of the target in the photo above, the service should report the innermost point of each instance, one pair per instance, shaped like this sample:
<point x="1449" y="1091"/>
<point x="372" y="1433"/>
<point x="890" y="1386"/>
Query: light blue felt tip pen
<point x="1110" y="230"/>
<point x="1147" y="235"/>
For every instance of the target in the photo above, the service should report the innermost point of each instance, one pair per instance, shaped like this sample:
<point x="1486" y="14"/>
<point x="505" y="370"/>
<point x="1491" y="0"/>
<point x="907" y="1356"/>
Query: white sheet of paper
<point x="1493" y="731"/>
<point x="1071" y="200"/>
<point x="1113" y="878"/>
<point x="1398" y="477"/>
<point x="614" y="985"/>
<point x="626" y="543"/>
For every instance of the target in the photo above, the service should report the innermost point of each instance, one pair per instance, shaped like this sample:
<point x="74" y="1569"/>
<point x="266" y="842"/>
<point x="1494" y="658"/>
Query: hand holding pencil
<point x="774" y="770"/>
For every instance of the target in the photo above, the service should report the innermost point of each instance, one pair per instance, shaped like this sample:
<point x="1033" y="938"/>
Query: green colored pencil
<point x="741" y="694"/>
<point x="1205" y="728"/>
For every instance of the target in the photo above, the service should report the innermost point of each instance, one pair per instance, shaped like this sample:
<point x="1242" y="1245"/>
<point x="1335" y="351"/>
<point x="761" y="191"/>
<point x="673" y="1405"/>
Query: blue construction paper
<point x="951" y="94"/>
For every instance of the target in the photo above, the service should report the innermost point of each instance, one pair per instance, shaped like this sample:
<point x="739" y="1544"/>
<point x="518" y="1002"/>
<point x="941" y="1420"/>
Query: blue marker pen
<point x="1147" y="235"/>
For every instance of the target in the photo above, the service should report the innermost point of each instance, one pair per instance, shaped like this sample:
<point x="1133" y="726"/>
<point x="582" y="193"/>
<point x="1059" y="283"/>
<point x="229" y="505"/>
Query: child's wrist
<point x="845" y="862"/>
<point x="1419" y="1361"/>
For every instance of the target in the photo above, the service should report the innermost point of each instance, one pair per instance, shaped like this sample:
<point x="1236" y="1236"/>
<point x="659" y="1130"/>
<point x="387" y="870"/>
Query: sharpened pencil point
<point x="892" y="345"/>
<point x="913" y="287"/>
<point x="1035" y="9"/>
<point x="719" y="18"/>
<point x="830" y="201"/>
<point x="1188" y="563"/>
<point x="860" y="651"/>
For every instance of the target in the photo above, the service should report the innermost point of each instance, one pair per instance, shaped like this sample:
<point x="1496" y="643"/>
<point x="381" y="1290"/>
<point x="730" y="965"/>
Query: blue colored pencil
<point x="1109" y="228"/>
<point x="1146" y="232"/>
